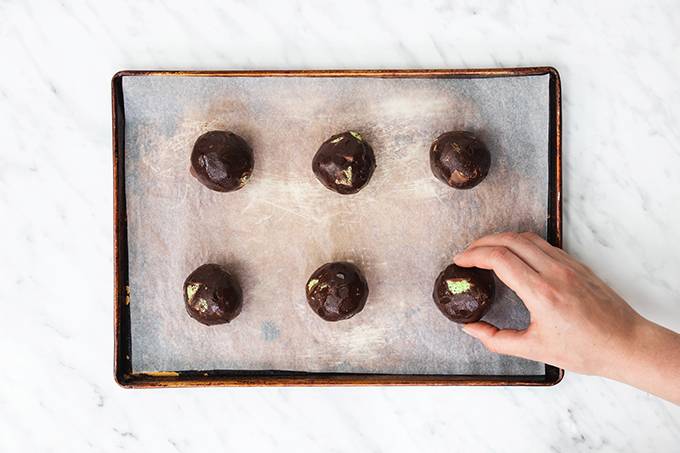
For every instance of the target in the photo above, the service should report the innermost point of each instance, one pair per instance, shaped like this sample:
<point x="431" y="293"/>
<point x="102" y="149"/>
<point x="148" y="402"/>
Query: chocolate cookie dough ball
<point x="221" y="161"/>
<point x="344" y="163"/>
<point x="459" y="159"/>
<point x="212" y="295"/>
<point x="464" y="294"/>
<point x="337" y="291"/>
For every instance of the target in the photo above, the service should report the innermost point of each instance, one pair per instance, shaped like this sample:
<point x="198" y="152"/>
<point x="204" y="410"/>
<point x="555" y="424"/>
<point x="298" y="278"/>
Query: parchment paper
<point x="402" y="229"/>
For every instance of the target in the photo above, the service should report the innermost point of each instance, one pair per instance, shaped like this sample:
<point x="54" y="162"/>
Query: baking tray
<point x="123" y="367"/>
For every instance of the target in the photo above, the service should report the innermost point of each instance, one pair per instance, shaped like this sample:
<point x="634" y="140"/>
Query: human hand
<point x="577" y="321"/>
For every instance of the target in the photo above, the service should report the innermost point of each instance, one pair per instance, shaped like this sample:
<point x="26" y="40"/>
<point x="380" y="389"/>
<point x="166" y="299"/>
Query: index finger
<point x="509" y="268"/>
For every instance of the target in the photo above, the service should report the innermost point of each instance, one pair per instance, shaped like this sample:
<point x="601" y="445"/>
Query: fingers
<point x="506" y="341"/>
<point x="508" y="267"/>
<point x="555" y="252"/>
<point x="522" y="245"/>
<point x="544" y="245"/>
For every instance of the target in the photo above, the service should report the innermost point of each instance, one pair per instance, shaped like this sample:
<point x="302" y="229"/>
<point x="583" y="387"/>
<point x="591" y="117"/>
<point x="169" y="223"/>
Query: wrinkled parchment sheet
<point x="402" y="229"/>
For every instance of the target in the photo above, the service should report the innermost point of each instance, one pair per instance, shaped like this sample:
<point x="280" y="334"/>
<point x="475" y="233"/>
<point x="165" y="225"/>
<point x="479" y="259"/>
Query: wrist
<point x="630" y="352"/>
<point x="651" y="362"/>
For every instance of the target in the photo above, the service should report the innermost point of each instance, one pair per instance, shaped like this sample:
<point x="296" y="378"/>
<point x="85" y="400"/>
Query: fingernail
<point x="467" y="333"/>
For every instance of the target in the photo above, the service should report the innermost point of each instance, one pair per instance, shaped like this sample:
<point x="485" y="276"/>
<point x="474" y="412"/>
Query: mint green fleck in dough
<point x="202" y="305"/>
<point x="346" y="180"/>
<point x="312" y="283"/>
<point x="458" y="286"/>
<point x="356" y="135"/>
<point x="191" y="290"/>
<point x="339" y="139"/>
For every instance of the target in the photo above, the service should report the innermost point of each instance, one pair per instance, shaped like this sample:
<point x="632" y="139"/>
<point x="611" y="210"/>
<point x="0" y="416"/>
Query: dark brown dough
<point x="212" y="295"/>
<point x="337" y="291"/>
<point x="459" y="159"/>
<point x="221" y="161"/>
<point x="464" y="294"/>
<point x="344" y="163"/>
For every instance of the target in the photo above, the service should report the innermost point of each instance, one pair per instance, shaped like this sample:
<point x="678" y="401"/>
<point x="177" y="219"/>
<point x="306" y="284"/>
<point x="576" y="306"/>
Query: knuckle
<point x="509" y="236"/>
<point x="571" y="273"/>
<point x="531" y="236"/>
<point x="500" y="255"/>
<point x="565" y="273"/>
<point x="546" y="291"/>
<point x="491" y="345"/>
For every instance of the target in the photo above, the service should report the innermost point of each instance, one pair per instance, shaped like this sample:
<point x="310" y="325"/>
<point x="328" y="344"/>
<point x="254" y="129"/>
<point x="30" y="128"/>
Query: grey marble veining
<point x="620" y="70"/>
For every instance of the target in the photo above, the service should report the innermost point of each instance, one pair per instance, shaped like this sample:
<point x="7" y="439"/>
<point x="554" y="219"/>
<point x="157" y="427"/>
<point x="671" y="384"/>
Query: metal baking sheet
<point x="401" y="229"/>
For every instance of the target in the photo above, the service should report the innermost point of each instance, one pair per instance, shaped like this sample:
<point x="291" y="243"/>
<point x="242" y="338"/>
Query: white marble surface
<point x="620" y="67"/>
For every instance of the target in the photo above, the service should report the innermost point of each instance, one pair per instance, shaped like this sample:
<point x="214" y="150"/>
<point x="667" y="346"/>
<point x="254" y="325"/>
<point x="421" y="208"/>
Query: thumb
<point x="502" y="341"/>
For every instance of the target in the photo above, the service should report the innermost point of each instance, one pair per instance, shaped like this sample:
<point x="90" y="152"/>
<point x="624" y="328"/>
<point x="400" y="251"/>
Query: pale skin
<point x="577" y="322"/>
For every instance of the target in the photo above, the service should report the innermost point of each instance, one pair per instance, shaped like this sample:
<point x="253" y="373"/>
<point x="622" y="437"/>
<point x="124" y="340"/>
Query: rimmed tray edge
<point x="190" y="378"/>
